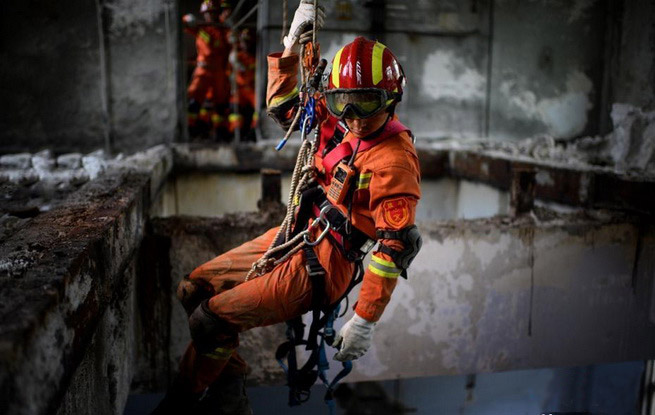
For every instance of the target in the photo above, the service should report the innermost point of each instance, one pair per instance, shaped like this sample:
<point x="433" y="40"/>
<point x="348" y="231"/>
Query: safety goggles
<point x="358" y="103"/>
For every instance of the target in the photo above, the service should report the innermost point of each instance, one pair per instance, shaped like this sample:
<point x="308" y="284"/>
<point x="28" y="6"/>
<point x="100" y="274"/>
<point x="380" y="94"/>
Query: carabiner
<point x="308" y="113"/>
<point x="320" y="219"/>
<point x="321" y="236"/>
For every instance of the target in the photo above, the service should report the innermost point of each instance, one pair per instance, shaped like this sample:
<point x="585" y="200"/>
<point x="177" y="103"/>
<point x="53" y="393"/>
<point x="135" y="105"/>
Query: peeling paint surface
<point x="446" y="75"/>
<point x="564" y="115"/>
<point x="467" y="306"/>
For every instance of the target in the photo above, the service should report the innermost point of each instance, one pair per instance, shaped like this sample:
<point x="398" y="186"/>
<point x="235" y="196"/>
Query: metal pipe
<point x="260" y="74"/>
<point x="105" y="87"/>
<point x="244" y="18"/>
<point x="490" y="50"/>
<point x="233" y="87"/>
<point x="236" y="9"/>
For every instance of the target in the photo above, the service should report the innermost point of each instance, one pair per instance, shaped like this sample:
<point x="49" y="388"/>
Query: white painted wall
<point x="203" y="194"/>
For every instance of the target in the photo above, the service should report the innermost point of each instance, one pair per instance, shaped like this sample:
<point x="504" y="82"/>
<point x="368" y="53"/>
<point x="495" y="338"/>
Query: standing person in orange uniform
<point x="243" y="64"/>
<point x="378" y="205"/>
<point x="210" y="78"/>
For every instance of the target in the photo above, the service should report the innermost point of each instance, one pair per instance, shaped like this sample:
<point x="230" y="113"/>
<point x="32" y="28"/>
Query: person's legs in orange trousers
<point x="275" y="297"/>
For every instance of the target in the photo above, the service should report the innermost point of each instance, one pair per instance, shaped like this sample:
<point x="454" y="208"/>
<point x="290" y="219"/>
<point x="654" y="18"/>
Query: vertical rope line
<point x="314" y="25"/>
<point x="285" y="12"/>
<point x="302" y="172"/>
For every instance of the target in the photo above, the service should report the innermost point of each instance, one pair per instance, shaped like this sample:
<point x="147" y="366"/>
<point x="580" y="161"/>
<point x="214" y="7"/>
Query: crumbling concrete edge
<point x="66" y="264"/>
<point x="577" y="185"/>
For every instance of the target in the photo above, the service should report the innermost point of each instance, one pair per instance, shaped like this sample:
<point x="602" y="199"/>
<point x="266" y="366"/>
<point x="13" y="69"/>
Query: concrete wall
<point x="547" y="67"/>
<point x="67" y="283"/>
<point x="490" y="295"/>
<point x="214" y="194"/>
<point x="75" y="76"/>
<point x="486" y="296"/>
<point x="634" y="54"/>
<point x="501" y="69"/>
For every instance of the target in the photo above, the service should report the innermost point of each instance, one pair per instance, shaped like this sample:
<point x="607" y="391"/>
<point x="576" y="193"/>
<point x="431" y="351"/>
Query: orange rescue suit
<point x="386" y="194"/>
<point x="211" y="76"/>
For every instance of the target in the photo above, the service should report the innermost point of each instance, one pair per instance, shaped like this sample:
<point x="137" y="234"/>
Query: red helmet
<point x="366" y="77"/>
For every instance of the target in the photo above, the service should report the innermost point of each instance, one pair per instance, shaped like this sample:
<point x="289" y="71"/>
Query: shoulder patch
<point x="396" y="212"/>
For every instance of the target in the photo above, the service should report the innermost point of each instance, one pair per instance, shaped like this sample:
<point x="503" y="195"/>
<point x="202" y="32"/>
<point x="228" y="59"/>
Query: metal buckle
<point x="367" y="246"/>
<point x="314" y="272"/>
<point x="320" y="219"/>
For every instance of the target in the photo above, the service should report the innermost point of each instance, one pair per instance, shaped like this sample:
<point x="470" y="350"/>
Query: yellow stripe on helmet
<point x="335" y="68"/>
<point x="376" y="64"/>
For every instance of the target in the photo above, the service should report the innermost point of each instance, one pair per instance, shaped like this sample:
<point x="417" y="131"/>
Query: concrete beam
<point x="191" y="242"/>
<point x="482" y="296"/>
<point x="499" y="294"/>
<point x="59" y="274"/>
<point x="574" y="185"/>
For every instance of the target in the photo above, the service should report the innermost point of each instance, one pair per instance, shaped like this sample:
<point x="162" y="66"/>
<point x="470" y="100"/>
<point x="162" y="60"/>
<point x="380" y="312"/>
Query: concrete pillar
<point x="271" y="188"/>
<point x="522" y="190"/>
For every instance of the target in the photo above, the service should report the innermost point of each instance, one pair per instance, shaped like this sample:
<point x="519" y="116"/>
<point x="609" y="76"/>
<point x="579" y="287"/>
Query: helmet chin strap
<point x="392" y="108"/>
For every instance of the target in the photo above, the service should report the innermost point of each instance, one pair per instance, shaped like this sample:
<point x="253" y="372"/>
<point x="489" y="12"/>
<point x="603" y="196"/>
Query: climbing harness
<point x="301" y="379"/>
<point x="311" y="70"/>
<point x="308" y="209"/>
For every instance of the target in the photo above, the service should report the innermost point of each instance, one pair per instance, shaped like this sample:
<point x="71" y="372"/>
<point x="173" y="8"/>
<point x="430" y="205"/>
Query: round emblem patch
<point x="396" y="212"/>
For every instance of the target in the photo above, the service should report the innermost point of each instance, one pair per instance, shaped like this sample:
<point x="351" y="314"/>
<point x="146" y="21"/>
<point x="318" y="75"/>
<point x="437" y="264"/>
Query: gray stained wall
<point x="88" y="310"/>
<point x="503" y="69"/>
<point x="75" y="76"/>
<point x="78" y="74"/>
<point x="483" y="295"/>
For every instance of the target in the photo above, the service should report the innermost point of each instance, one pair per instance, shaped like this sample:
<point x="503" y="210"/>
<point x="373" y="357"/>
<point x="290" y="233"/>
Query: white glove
<point x="353" y="339"/>
<point x="303" y="17"/>
<point x="189" y="20"/>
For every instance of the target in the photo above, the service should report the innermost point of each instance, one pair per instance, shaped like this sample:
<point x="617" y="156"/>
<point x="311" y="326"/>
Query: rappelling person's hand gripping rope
<point x="311" y="70"/>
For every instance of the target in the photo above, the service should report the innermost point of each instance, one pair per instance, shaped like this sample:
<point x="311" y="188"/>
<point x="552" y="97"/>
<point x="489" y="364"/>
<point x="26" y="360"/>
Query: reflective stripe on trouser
<point x="275" y="297"/>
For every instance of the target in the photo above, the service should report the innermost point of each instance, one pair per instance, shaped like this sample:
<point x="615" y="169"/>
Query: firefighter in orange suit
<point x="210" y="80"/>
<point x="365" y="85"/>
<point x="243" y="63"/>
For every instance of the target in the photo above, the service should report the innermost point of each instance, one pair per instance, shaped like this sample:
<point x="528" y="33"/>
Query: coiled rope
<point x="303" y="175"/>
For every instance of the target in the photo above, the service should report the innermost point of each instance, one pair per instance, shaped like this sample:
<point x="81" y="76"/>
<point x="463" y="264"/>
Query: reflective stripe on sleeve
<point x="383" y="268"/>
<point x="204" y="36"/>
<point x="364" y="181"/>
<point x="275" y="101"/>
<point x="220" y="353"/>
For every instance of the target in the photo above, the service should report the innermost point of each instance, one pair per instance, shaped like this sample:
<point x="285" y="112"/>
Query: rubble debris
<point x="16" y="161"/>
<point x="70" y="161"/>
<point x="43" y="162"/>
<point x="33" y="183"/>
<point x="632" y="143"/>
<point x="628" y="150"/>
<point x="94" y="163"/>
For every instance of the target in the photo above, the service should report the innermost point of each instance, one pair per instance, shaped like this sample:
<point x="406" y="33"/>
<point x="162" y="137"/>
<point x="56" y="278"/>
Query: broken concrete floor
<point x="95" y="271"/>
